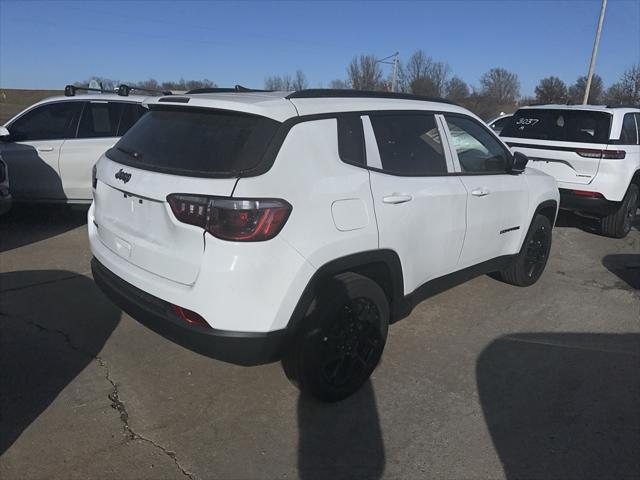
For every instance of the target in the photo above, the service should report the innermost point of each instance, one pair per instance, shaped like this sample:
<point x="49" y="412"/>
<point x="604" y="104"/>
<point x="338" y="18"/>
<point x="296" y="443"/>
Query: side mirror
<point x="520" y="161"/>
<point x="4" y="133"/>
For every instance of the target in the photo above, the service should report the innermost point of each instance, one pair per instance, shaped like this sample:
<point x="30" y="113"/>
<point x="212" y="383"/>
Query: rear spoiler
<point x="123" y="90"/>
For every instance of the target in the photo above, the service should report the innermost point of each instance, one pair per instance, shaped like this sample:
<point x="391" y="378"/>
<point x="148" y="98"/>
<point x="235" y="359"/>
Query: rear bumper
<point x="596" y="206"/>
<point x="240" y="348"/>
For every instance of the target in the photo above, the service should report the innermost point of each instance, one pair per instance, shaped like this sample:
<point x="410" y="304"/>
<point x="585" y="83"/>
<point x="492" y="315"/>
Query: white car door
<point x="101" y="125"/>
<point x="420" y="207"/>
<point x="497" y="201"/>
<point x="32" y="151"/>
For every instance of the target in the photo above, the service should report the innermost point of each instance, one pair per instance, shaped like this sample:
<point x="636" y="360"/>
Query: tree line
<point x="498" y="89"/>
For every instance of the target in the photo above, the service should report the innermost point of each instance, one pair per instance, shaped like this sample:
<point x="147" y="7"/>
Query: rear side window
<point x="202" y="142"/>
<point x="409" y="144"/>
<point x="629" y="135"/>
<point x="478" y="151"/>
<point x="582" y="126"/>
<point x="48" y="122"/>
<point x="131" y="113"/>
<point x="100" y="119"/>
<point x="351" y="140"/>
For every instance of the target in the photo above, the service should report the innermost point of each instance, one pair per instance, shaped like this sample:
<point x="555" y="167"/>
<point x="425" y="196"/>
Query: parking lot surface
<point x="482" y="381"/>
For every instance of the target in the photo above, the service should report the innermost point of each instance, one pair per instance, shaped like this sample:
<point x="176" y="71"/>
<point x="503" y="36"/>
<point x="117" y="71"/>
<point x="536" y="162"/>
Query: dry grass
<point x="13" y="100"/>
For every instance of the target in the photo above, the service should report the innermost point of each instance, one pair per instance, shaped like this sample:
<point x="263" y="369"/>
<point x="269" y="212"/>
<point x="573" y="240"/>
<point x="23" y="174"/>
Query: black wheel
<point x="530" y="262"/>
<point x="341" y="340"/>
<point x="618" y="224"/>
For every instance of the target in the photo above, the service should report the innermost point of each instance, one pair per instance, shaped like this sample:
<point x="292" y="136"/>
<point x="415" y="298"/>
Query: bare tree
<point x="627" y="90"/>
<point x="596" y="93"/>
<point x="457" y="89"/>
<point x="500" y="85"/>
<point x="551" y="90"/>
<point x="424" y="86"/>
<point x="338" y="84"/>
<point x="365" y="73"/>
<point x="281" y="83"/>
<point x="439" y="75"/>
<point x="417" y="67"/>
<point x="423" y="76"/>
<point x="300" y="82"/>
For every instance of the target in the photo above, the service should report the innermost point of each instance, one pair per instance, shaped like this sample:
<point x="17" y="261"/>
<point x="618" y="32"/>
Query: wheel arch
<point x="382" y="266"/>
<point x="548" y="208"/>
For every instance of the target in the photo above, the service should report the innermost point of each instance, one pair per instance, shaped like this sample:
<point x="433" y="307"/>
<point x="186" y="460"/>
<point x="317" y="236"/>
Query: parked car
<point x="5" y="194"/>
<point x="498" y="123"/>
<point x="592" y="151"/>
<point x="53" y="145"/>
<point x="256" y="227"/>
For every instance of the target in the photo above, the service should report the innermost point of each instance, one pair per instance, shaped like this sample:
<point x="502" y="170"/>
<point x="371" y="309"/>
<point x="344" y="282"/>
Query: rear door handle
<point x="396" y="199"/>
<point x="45" y="149"/>
<point x="480" y="192"/>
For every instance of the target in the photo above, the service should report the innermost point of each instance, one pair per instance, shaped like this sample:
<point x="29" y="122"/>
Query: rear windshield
<point x="195" y="142"/>
<point x="562" y="125"/>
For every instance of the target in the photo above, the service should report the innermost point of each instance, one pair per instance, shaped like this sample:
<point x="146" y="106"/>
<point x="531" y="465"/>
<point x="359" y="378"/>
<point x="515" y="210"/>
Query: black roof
<point x="335" y="93"/>
<point x="237" y="88"/>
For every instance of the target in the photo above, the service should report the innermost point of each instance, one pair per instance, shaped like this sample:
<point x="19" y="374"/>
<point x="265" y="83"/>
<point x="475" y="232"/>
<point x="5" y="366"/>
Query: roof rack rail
<point x="122" y="90"/>
<point x="70" y="90"/>
<point x="623" y="106"/>
<point x="343" y="93"/>
<point x="236" y="88"/>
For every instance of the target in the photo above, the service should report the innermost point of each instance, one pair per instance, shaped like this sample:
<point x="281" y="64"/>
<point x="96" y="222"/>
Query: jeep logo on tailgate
<point x="122" y="175"/>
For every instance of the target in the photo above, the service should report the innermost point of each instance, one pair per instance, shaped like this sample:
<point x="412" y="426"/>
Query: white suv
<point x="253" y="227"/>
<point x="592" y="151"/>
<point x="52" y="146"/>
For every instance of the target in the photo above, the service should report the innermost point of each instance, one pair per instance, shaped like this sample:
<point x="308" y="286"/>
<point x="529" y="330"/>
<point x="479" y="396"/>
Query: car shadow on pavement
<point x="626" y="267"/>
<point x="52" y="325"/>
<point x="572" y="220"/>
<point x="563" y="405"/>
<point x="340" y="440"/>
<point x="29" y="223"/>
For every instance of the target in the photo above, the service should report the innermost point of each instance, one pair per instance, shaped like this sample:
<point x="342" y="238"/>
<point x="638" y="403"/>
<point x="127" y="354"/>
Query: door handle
<point x="45" y="149"/>
<point x="480" y="192"/>
<point x="396" y="199"/>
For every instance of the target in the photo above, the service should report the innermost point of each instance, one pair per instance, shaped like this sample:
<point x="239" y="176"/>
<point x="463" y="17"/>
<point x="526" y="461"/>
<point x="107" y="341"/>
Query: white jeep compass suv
<point x="259" y="226"/>
<point x="592" y="151"/>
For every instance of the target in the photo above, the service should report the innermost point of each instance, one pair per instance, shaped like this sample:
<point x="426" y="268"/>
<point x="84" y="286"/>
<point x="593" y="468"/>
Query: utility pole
<point x="594" y="53"/>
<point x="394" y="78"/>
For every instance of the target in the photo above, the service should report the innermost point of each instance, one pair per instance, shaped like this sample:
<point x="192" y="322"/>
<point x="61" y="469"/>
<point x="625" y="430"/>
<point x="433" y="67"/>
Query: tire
<point x="618" y="224"/>
<point x="341" y="340"/>
<point x="529" y="264"/>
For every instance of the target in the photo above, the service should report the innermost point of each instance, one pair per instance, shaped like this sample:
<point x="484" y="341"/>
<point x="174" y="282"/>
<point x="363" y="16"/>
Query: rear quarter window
<point x="581" y="126"/>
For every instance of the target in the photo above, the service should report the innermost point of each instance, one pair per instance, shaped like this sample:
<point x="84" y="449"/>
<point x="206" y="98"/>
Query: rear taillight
<point x="585" y="193"/>
<point x="192" y="318"/>
<point x="593" y="153"/>
<point x="235" y="219"/>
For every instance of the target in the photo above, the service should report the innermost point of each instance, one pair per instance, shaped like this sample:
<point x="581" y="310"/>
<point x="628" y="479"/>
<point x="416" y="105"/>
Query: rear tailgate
<point x="135" y="221"/>
<point x="559" y="159"/>
<point x="563" y="142"/>
<point x="193" y="151"/>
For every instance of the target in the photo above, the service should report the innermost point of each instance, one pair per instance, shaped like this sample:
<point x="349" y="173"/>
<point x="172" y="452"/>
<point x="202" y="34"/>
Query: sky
<point x="48" y="44"/>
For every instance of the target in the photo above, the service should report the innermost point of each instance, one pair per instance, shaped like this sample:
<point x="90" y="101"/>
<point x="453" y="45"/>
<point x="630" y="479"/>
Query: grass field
<point x="13" y="100"/>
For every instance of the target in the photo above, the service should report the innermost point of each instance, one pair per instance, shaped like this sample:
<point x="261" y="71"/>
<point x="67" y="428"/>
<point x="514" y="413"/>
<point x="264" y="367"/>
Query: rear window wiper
<point x="131" y="153"/>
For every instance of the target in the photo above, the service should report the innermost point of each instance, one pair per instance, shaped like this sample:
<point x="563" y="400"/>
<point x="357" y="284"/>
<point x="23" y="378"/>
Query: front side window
<point x="54" y="121"/>
<point x="629" y="136"/>
<point x="409" y="144"/>
<point x="100" y="119"/>
<point x="478" y="151"/>
<point x="499" y="124"/>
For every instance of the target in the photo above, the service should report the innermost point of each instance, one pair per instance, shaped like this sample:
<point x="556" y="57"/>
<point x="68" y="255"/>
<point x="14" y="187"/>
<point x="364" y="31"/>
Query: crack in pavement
<point x="47" y="282"/>
<point x="114" y="396"/>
